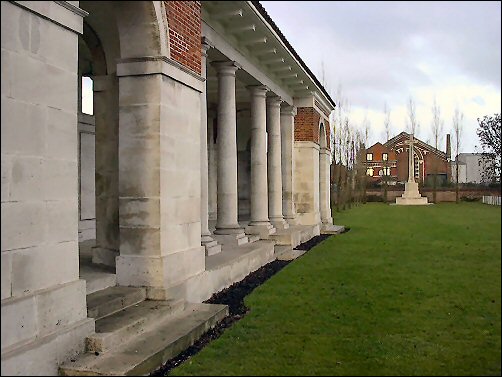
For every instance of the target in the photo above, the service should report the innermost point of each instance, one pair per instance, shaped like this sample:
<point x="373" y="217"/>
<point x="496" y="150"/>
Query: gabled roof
<point x="406" y="136"/>
<point x="375" y="145"/>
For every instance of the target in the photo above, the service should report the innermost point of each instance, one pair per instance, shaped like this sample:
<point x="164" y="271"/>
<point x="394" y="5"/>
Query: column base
<point x="159" y="271"/>
<point x="211" y="246"/>
<point x="261" y="228"/>
<point x="103" y="255"/>
<point x="327" y="221"/>
<point x="279" y="223"/>
<point x="291" y="220"/>
<point x="235" y="239"/>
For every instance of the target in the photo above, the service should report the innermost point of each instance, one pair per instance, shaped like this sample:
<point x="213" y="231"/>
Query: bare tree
<point x="338" y="145"/>
<point x="437" y="127"/>
<point x="386" y="169"/>
<point x="412" y="124"/>
<point x="365" y="138"/>
<point x="458" y="118"/>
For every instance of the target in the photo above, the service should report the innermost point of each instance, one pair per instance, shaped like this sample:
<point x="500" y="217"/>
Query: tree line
<point x="350" y="140"/>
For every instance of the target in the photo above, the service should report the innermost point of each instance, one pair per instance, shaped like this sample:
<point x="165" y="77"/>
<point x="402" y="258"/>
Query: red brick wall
<point x="185" y="31"/>
<point x="307" y="125"/>
<point x="378" y="150"/>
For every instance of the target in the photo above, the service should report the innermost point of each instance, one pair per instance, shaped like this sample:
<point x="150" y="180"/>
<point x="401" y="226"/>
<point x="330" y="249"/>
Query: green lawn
<point x="407" y="291"/>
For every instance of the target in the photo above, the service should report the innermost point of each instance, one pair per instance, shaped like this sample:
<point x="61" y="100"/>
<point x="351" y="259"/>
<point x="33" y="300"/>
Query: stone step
<point x="291" y="254"/>
<point x="148" y="351"/>
<point x="97" y="278"/>
<point x="253" y="237"/>
<point x="113" y="299"/>
<point x="281" y="249"/>
<point x="286" y="237"/>
<point x="332" y="229"/>
<point x="121" y="327"/>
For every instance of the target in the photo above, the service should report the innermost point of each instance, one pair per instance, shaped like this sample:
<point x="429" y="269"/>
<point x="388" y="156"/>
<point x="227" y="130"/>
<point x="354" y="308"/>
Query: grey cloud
<point x="375" y="48"/>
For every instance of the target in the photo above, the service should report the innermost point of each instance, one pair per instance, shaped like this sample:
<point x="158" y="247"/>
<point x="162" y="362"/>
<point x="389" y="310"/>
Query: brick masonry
<point x="185" y="31"/>
<point x="307" y="125"/>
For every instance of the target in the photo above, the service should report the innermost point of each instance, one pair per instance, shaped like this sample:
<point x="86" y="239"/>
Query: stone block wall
<point x="43" y="300"/>
<point x="185" y="30"/>
<point x="306" y="182"/>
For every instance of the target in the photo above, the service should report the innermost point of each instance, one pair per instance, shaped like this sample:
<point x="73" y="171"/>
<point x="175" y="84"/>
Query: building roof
<point x="265" y="15"/>
<point x="404" y="135"/>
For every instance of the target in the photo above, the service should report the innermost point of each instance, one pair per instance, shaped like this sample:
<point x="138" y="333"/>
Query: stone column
<point x="287" y="140"/>
<point x="211" y="246"/>
<point x="106" y="113"/>
<point x="212" y="167"/>
<point x="227" y="226"/>
<point x="274" y="163"/>
<point x="259" y="223"/>
<point x="324" y="202"/>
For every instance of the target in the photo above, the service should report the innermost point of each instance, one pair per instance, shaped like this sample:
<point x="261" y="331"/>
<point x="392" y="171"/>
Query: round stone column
<point x="287" y="141"/>
<point x="259" y="223"/>
<point x="274" y="163"/>
<point x="324" y="201"/>
<point x="211" y="246"/>
<point x="227" y="212"/>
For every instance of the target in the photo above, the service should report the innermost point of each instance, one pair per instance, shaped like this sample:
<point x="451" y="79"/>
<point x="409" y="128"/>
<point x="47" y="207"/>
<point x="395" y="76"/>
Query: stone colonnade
<point x="271" y="178"/>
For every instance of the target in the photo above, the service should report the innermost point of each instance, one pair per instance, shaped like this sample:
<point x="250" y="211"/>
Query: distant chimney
<point x="448" y="147"/>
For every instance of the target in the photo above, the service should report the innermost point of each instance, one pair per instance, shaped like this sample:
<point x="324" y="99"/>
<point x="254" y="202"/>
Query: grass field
<point x="407" y="291"/>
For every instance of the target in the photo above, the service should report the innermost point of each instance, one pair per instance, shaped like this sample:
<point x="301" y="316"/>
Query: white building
<point x="470" y="168"/>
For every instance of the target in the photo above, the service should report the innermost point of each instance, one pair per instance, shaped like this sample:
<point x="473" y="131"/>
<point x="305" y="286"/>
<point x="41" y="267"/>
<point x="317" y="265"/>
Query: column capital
<point x="258" y="90"/>
<point x="205" y="45"/>
<point x="274" y="101"/>
<point x="226" y="68"/>
<point x="288" y="110"/>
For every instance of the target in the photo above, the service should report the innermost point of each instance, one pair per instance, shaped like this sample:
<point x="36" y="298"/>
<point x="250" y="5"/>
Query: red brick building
<point x="391" y="159"/>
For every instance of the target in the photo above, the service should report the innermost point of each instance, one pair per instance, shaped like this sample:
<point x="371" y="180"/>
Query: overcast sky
<point x="381" y="52"/>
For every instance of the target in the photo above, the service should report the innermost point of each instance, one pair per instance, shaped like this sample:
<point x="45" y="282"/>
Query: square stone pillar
<point x="106" y="115"/>
<point x="43" y="301"/>
<point x="159" y="176"/>
<point x="306" y="182"/>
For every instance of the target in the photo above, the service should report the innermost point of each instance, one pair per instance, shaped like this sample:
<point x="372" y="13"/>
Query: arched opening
<point x="99" y="240"/>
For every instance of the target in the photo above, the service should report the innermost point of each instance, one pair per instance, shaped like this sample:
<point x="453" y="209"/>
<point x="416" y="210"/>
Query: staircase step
<point x="97" y="277"/>
<point x="291" y="254"/>
<point x="124" y="325"/>
<point x="281" y="249"/>
<point x="253" y="237"/>
<point x="113" y="299"/>
<point x="148" y="351"/>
